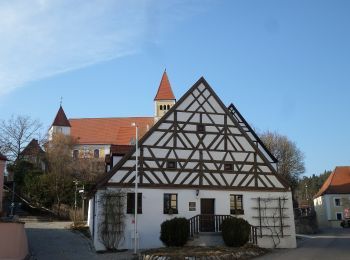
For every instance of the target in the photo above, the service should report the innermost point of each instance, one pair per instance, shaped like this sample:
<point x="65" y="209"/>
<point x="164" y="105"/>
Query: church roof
<point x="2" y="157"/>
<point x="164" y="91"/>
<point x="115" y="131"/>
<point x="33" y="148"/>
<point x="337" y="183"/>
<point x="61" y="118"/>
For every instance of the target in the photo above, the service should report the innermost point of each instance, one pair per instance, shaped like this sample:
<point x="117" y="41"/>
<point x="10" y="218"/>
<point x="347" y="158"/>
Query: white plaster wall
<point x="152" y="214"/>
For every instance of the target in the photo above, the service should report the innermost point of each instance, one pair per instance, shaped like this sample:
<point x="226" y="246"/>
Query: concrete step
<point x="35" y="219"/>
<point x="207" y="239"/>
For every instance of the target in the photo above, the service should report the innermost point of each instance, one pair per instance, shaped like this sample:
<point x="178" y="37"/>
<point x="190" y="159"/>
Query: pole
<point x="83" y="204"/>
<point x="136" y="187"/>
<point x="13" y="199"/>
<point x="75" y="202"/>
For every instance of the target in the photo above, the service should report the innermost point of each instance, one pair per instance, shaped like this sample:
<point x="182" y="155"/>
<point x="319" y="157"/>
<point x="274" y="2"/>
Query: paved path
<point x="331" y="244"/>
<point x="54" y="241"/>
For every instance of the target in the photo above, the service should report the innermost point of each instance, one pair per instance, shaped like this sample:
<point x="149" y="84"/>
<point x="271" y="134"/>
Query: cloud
<point x="41" y="38"/>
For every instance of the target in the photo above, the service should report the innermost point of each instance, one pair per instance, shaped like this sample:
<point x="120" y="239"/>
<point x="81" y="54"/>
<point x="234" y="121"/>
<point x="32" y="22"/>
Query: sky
<point x="284" y="64"/>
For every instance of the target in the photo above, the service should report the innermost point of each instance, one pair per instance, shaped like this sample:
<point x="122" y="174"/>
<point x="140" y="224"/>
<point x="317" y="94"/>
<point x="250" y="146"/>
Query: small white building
<point x="201" y="161"/>
<point x="332" y="202"/>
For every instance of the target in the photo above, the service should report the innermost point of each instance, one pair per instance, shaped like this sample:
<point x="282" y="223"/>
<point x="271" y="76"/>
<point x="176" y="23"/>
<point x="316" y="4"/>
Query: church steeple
<point x="164" y="98"/>
<point x="61" y="118"/>
<point x="60" y="124"/>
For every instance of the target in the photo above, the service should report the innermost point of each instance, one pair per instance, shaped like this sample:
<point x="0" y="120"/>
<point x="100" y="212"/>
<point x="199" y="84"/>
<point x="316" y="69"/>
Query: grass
<point x="221" y="252"/>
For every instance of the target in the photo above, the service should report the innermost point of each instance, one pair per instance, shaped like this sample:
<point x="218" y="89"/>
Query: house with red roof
<point x="111" y="138"/>
<point x="332" y="201"/>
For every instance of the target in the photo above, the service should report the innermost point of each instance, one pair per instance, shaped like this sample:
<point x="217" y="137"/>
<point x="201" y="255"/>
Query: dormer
<point x="60" y="124"/>
<point x="164" y="98"/>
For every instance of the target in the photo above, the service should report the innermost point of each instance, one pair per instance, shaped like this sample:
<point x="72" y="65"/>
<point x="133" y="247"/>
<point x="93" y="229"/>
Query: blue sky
<point x="284" y="64"/>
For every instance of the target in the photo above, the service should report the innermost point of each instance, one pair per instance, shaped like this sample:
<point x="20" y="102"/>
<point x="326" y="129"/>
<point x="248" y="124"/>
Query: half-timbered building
<point x="201" y="161"/>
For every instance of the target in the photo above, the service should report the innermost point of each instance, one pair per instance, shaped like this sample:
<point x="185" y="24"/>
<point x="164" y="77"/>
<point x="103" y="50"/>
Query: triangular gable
<point x="223" y="156"/>
<point x="253" y="136"/>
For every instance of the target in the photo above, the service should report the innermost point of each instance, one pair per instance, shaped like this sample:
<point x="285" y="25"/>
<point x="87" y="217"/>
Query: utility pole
<point x="136" y="189"/>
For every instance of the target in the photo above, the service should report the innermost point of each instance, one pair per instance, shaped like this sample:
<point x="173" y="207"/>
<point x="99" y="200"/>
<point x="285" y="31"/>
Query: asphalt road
<point x="330" y="244"/>
<point x="54" y="241"/>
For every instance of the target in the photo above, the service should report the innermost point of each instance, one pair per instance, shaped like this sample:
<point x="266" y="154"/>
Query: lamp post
<point x="75" y="201"/>
<point x="136" y="187"/>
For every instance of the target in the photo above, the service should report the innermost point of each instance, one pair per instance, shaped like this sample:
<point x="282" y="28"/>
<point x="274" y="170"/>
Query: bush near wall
<point x="174" y="232"/>
<point x="235" y="231"/>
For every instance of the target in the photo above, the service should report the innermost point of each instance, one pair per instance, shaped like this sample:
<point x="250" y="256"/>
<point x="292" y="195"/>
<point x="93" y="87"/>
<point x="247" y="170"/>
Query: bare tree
<point x="16" y="133"/>
<point x="290" y="158"/>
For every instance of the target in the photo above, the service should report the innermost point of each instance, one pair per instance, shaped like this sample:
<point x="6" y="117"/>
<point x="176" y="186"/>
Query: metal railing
<point x="213" y="223"/>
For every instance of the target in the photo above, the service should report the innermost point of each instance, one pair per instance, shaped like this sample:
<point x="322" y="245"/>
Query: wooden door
<point x="207" y="223"/>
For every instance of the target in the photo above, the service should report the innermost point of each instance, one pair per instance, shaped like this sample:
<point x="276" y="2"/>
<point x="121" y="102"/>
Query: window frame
<point x="169" y="162"/>
<point x="228" y="167"/>
<point x="75" y="154"/>
<point x="98" y="153"/>
<point x="201" y="128"/>
<point x="335" y="202"/>
<point x="235" y="210"/>
<point x="341" y="215"/>
<point x="167" y="208"/>
<point x="130" y="203"/>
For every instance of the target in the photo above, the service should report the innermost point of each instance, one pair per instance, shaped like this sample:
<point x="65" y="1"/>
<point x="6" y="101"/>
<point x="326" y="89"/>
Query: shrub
<point x="174" y="232"/>
<point x="235" y="231"/>
<point x="345" y="223"/>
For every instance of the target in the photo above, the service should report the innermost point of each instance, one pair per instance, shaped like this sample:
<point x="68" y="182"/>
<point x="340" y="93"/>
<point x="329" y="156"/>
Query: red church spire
<point x="61" y="119"/>
<point x="164" y="91"/>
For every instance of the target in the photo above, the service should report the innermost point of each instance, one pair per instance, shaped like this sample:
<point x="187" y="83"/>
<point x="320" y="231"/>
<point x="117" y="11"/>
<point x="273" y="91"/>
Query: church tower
<point x="60" y="124"/>
<point x="164" y="99"/>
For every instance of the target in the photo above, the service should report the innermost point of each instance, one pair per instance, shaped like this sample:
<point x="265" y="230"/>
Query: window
<point x="192" y="206"/>
<point x="168" y="107"/>
<point x="171" y="164"/>
<point x="130" y="203"/>
<point x="75" y="154"/>
<point x="337" y="202"/>
<point x="339" y="216"/>
<point x="236" y="204"/>
<point x="201" y="128"/>
<point x="170" y="203"/>
<point x="96" y="153"/>
<point x="228" y="166"/>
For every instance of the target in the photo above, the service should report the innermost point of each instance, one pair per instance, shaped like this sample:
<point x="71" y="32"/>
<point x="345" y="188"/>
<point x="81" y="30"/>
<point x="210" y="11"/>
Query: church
<point x="110" y="139"/>
<point x="197" y="159"/>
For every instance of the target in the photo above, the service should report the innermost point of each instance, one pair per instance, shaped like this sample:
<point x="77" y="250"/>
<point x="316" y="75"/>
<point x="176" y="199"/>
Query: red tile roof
<point x="164" y="91"/>
<point x="61" y="119"/>
<point x="33" y="148"/>
<point x="2" y="157"/>
<point x="337" y="183"/>
<point x="117" y="131"/>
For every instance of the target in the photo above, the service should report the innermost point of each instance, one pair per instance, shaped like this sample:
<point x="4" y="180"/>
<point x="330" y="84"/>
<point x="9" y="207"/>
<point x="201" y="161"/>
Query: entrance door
<point x="207" y="223"/>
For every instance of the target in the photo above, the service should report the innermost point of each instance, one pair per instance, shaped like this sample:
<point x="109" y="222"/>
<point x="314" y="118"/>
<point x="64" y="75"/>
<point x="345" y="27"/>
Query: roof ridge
<point x="109" y="117"/>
